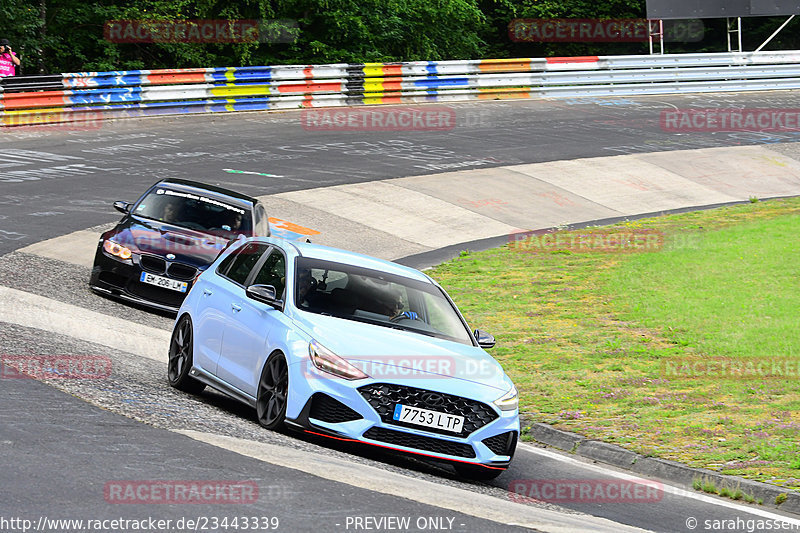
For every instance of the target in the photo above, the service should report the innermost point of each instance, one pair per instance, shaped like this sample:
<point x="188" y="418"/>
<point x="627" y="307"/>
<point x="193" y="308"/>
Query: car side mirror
<point x="122" y="207"/>
<point x="484" y="339"/>
<point x="265" y="294"/>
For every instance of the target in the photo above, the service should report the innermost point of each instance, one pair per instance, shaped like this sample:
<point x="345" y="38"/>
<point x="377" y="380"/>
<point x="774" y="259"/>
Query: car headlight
<point x="508" y="401"/>
<point x="117" y="250"/>
<point x="329" y="362"/>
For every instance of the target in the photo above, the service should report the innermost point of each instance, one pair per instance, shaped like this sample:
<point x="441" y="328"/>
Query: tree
<point x="67" y="35"/>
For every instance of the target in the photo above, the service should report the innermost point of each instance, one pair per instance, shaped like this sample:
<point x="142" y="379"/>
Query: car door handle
<point x="207" y="292"/>
<point x="236" y="308"/>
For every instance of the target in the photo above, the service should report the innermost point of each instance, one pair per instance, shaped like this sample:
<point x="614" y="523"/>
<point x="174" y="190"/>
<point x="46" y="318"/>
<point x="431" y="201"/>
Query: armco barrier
<point x="74" y="96"/>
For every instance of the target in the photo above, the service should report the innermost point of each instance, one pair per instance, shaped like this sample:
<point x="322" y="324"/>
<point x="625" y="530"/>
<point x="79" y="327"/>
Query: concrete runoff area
<point x="542" y="195"/>
<point x="624" y="184"/>
<point x="400" y="217"/>
<point x="77" y="248"/>
<point x="507" y="194"/>
<point x="34" y="311"/>
<point x="756" y="168"/>
<point x="341" y="232"/>
<point x="401" y="211"/>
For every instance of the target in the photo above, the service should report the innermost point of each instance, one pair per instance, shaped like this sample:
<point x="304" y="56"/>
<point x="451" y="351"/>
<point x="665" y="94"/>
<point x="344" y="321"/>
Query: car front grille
<point x="502" y="444"/>
<point x="158" y="265"/>
<point x="181" y="271"/>
<point x="153" y="263"/>
<point x="383" y="398"/>
<point x="327" y="409"/>
<point x="420" y="442"/>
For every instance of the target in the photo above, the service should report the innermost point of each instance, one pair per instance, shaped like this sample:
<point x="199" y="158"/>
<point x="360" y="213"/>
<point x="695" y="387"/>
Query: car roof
<point x="338" y="255"/>
<point x="218" y="192"/>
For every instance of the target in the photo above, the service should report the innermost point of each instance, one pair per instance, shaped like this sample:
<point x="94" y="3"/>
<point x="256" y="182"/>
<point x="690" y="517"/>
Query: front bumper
<point x="336" y="408"/>
<point x="121" y="280"/>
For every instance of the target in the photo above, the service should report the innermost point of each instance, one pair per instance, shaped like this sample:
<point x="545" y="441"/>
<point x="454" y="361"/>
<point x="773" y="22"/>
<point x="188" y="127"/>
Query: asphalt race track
<point x="77" y="173"/>
<point x="64" y="441"/>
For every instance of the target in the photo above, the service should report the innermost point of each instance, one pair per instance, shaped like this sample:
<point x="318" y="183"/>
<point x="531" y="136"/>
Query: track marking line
<point x="418" y="490"/>
<point x="669" y="489"/>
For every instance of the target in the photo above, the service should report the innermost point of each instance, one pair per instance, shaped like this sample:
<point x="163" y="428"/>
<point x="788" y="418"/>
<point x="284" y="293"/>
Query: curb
<point x="658" y="468"/>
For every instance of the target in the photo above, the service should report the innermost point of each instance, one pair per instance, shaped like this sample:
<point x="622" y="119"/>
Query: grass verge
<point x="639" y="348"/>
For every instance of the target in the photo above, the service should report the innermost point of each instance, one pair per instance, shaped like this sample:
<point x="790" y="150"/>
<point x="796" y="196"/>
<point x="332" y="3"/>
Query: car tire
<point x="476" y="473"/>
<point x="273" y="391"/>
<point x="180" y="358"/>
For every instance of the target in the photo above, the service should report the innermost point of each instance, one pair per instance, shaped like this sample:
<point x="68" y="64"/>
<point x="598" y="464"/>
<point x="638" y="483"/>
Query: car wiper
<point x="374" y="322"/>
<point x="364" y="320"/>
<point x="391" y="325"/>
<point x="413" y="330"/>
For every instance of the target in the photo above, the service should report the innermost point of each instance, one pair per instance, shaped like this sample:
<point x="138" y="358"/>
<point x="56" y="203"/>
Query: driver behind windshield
<point x="306" y="289"/>
<point x="170" y="211"/>
<point x="394" y="309"/>
<point x="236" y="221"/>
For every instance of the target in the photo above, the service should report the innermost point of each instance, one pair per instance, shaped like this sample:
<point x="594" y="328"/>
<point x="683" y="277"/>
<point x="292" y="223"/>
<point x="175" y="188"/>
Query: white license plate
<point x="430" y="419"/>
<point x="164" y="283"/>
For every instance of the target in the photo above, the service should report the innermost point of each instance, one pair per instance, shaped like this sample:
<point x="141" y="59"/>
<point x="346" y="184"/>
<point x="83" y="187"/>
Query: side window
<point x="440" y="316"/>
<point x="262" y="222"/>
<point x="273" y="272"/>
<point x="243" y="262"/>
<point x="223" y="267"/>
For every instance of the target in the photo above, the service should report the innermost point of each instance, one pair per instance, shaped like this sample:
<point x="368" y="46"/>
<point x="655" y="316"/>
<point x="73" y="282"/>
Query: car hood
<point x="386" y="353"/>
<point x="158" y="238"/>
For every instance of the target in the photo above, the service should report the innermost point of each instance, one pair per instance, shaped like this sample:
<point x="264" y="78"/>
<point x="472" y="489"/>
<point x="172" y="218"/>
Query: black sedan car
<point x="168" y="237"/>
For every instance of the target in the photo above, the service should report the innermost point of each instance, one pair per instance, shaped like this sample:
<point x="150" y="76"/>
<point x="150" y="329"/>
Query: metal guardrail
<point x="76" y="96"/>
<point x="31" y="83"/>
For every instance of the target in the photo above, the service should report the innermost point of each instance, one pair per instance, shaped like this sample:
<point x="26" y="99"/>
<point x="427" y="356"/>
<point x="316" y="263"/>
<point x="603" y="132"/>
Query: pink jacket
<point x="7" y="67"/>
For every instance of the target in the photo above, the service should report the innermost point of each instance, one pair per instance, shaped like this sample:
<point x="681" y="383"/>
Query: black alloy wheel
<point x="273" y="388"/>
<point x="180" y="358"/>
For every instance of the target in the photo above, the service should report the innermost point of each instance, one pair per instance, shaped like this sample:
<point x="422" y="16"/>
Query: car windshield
<point x="376" y="297"/>
<point x="195" y="211"/>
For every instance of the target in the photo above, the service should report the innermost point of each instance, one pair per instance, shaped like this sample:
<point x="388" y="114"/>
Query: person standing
<point x="8" y="59"/>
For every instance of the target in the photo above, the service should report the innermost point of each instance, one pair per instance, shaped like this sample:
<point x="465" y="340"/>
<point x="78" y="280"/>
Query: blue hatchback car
<point x="347" y="346"/>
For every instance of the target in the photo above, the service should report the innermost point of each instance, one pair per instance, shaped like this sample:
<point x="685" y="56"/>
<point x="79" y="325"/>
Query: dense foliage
<point x="68" y="35"/>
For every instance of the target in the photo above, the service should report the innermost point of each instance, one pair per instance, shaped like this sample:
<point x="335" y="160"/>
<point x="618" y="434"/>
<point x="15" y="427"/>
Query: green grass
<point x="585" y="336"/>
<point x="731" y="297"/>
